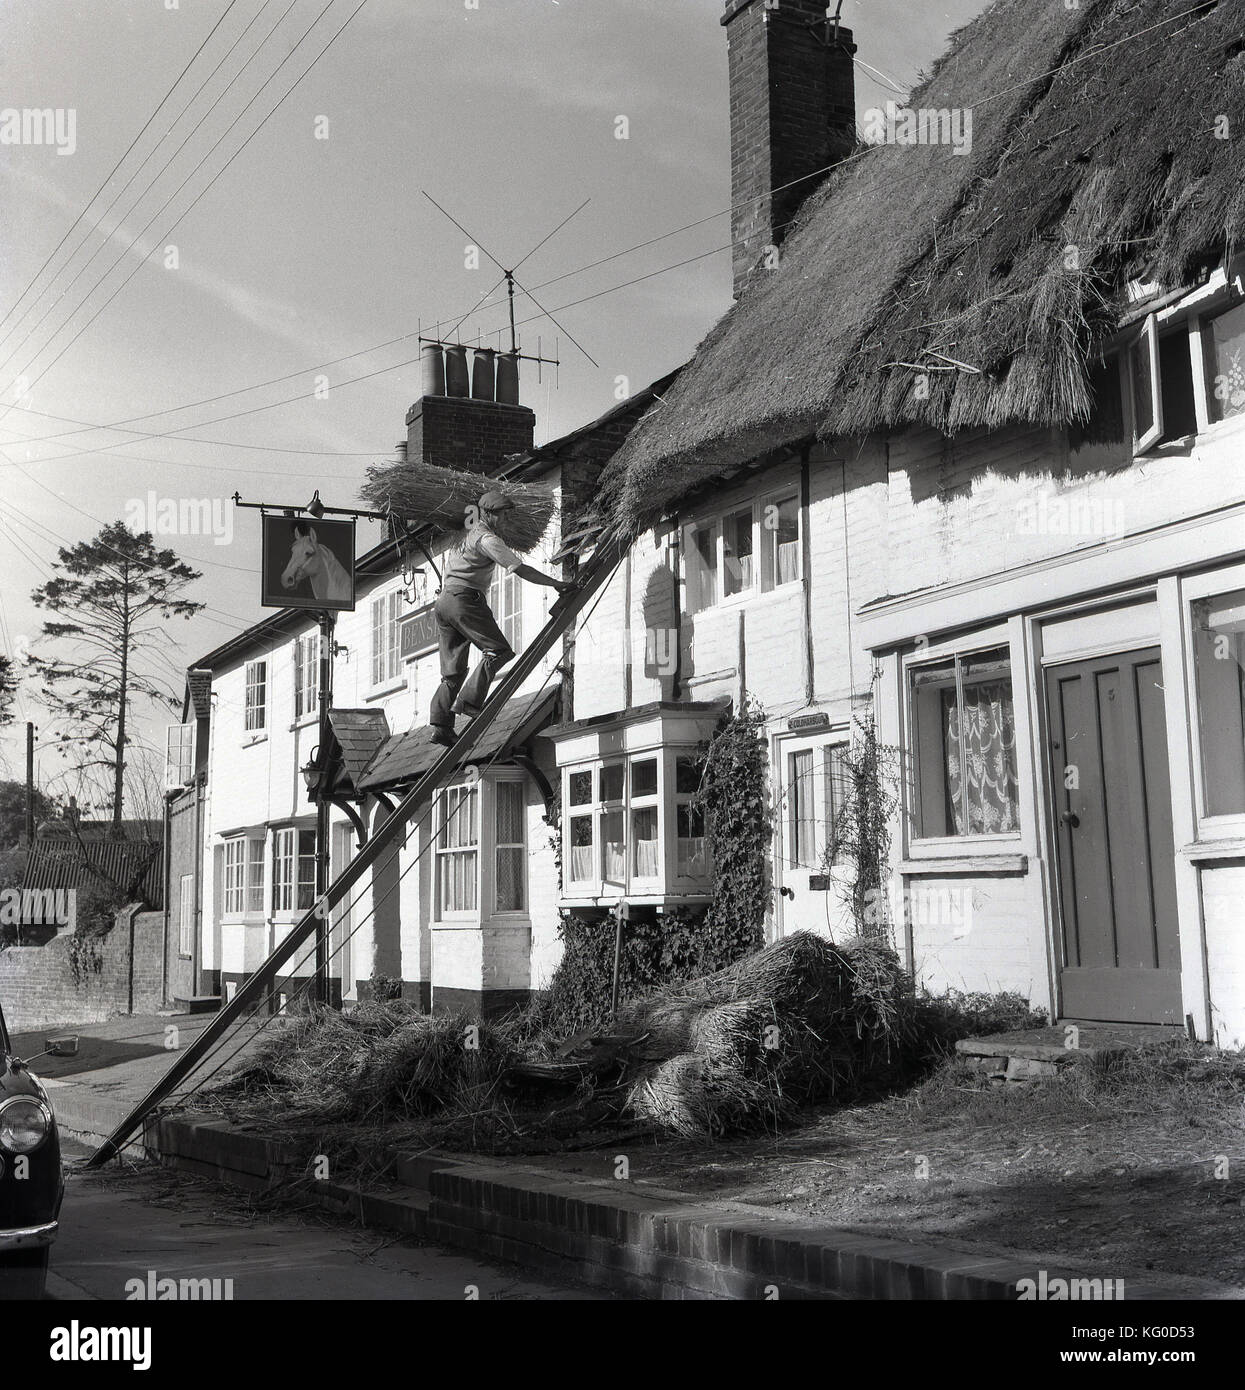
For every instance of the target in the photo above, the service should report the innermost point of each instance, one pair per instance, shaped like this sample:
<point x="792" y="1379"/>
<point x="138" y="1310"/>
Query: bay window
<point x="1219" y="668"/>
<point x="691" y="844"/>
<point x="644" y="843"/>
<point x="964" y="738"/>
<point x="293" y="869"/>
<point x="244" y="874"/>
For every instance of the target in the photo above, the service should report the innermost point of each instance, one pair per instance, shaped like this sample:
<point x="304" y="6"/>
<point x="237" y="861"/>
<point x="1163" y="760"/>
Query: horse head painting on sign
<point x="312" y="562"/>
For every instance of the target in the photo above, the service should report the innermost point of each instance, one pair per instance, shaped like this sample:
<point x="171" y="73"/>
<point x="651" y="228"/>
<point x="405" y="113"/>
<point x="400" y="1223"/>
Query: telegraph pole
<point x="323" y="992"/>
<point x="30" y="784"/>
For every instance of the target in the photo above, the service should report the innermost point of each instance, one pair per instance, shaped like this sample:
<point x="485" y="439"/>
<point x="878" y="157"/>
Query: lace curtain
<point x="984" y="731"/>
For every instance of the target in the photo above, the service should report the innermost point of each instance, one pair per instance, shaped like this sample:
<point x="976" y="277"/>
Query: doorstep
<point x="1041" y="1052"/>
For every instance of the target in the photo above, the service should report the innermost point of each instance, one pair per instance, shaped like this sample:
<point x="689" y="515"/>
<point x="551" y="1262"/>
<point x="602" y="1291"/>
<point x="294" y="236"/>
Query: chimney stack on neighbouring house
<point x="793" y="112"/>
<point x="469" y="419"/>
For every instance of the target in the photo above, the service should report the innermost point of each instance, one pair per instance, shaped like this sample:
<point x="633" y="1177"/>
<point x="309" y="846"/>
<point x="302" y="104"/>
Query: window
<point x="645" y="850"/>
<point x="1224" y="343"/>
<point x="505" y="598"/>
<point x="780" y="541"/>
<point x="293" y="870"/>
<point x="244" y="874"/>
<point x="457" y="849"/>
<point x="386" y="660"/>
<point x="581" y="867"/>
<point x="737" y="553"/>
<point x="691" y="844"/>
<point x="964" y="733"/>
<point x="801" y="811"/>
<point x="753" y="549"/>
<point x="1219" y="664"/>
<point x="306" y="674"/>
<point x="186" y="915"/>
<point x="1161" y="376"/>
<point x="256" y="696"/>
<point x="613" y="823"/>
<point x="837" y="784"/>
<point x="510" y="846"/>
<point x="179" y="756"/>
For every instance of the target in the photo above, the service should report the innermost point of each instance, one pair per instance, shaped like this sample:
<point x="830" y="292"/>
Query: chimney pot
<point x="457" y="382"/>
<point x="484" y="375"/>
<point x="433" y="368"/>
<point x="508" y="379"/>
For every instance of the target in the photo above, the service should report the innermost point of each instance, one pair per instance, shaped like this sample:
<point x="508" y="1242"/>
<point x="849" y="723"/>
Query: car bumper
<point x="28" y="1237"/>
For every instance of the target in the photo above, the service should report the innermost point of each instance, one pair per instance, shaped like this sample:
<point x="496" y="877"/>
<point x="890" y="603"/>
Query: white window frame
<point x="179" y="763"/>
<point x="293" y="869"/>
<point x="186" y="917"/>
<point x="1146" y="344"/>
<point x="764" y="557"/>
<point x="243" y="863"/>
<point x="447" y="825"/>
<point x="678" y="800"/>
<point x="386" y="644"/>
<point x="306" y="654"/>
<point x="957" y="846"/>
<point x="665" y="801"/>
<point x="255" y="704"/>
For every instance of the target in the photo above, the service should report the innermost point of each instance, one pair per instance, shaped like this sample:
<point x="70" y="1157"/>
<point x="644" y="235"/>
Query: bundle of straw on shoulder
<point x="426" y="494"/>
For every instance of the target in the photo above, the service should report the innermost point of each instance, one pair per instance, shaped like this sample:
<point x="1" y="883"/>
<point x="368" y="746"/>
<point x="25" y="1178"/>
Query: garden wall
<point x="38" y="990"/>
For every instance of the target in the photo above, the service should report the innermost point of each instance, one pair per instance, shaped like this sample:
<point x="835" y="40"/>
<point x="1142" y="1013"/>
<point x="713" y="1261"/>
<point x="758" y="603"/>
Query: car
<point x="32" y="1182"/>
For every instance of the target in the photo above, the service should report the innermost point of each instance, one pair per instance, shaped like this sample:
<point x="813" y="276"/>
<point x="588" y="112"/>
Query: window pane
<point x="580" y="866"/>
<point x="1143" y="387"/>
<point x="580" y="788"/>
<point x="510" y="813"/>
<point x="737" y="552"/>
<point x="644" y="778"/>
<point x="644" y="841"/>
<point x="255" y="876"/>
<point x="801" y="816"/>
<point x="510" y="880"/>
<point x="705" y="559"/>
<point x="613" y="847"/>
<point x="837" y="777"/>
<point x="612" y="780"/>
<point x="1225" y="350"/>
<point x="1219" y="659"/>
<point x="966" y="757"/>
<point x="692" y="847"/>
<point x="781" y="522"/>
<point x="687" y="774"/>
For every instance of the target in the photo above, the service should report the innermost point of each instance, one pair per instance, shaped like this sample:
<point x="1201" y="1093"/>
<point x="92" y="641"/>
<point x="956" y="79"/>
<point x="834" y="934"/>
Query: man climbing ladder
<point x="464" y="618"/>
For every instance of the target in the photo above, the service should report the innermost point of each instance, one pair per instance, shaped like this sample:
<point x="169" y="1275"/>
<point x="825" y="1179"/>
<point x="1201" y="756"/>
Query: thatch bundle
<point x="739" y="1049"/>
<point x="380" y="1061"/>
<point x="1110" y="127"/>
<point x="425" y="494"/>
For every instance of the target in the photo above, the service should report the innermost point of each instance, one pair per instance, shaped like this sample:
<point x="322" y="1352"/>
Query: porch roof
<point x="405" y="757"/>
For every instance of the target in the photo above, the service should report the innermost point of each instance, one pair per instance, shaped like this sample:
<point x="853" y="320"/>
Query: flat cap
<point x="496" y="502"/>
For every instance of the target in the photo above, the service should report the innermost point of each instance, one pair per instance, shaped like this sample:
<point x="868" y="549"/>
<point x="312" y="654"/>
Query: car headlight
<point x="24" y="1124"/>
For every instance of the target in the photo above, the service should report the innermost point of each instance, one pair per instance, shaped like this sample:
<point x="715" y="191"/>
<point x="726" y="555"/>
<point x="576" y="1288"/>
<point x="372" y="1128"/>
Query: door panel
<point x="1121" y="953"/>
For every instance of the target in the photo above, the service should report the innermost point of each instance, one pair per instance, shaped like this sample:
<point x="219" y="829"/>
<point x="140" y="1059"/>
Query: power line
<point x="150" y="185"/>
<point x="129" y="148"/>
<point x="182" y="216"/>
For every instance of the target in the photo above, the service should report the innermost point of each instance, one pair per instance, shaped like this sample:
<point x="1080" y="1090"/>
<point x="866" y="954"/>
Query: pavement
<point x="125" y="1228"/>
<point x="116" y="1065"/>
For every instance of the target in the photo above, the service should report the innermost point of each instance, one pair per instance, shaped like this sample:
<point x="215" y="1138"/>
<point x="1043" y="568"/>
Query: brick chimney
<point x="470" y="423"/>
<point x="793" y="112"/>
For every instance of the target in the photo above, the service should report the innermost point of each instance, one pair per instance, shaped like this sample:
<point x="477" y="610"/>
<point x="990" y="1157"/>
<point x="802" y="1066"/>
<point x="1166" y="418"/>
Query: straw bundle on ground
<point x="740" y="1049"/>
<point x="424" y="494"/>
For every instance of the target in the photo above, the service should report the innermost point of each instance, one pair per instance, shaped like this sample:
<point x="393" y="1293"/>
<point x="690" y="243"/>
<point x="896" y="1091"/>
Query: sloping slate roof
<point x="1094" y="127"/>
<point x="408" y="756"/>
<point x="360" y="733"/>
<point x="60" y="865"/>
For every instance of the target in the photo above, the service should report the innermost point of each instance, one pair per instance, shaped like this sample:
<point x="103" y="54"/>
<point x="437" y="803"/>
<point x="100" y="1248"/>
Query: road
<point x="144" y="1222"/>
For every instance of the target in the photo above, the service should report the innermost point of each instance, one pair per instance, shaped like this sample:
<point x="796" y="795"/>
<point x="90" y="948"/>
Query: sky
<point x="217" y="323"/>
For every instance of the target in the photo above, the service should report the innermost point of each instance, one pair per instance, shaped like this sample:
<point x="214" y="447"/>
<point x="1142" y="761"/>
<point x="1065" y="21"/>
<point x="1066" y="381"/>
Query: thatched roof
<point x="1093" y="127"/>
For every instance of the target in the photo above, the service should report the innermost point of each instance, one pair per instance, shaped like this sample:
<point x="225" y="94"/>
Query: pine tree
<point x="113" y="596"/>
